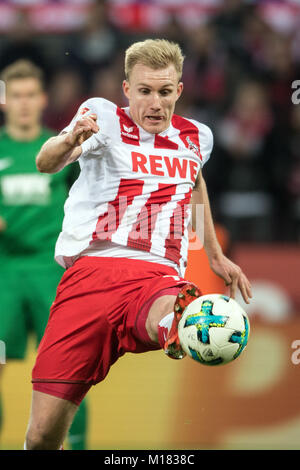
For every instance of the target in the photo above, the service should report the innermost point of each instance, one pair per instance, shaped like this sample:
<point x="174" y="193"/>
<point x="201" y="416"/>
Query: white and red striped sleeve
<point x="96" y="143"/>
<point x="206" y="140"/>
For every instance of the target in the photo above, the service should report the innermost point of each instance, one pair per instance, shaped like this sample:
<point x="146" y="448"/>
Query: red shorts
<point x="93" y="321"/>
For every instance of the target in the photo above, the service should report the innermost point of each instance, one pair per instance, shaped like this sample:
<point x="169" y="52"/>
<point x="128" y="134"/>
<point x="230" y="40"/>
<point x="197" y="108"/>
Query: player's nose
<point x="155" y="103"/>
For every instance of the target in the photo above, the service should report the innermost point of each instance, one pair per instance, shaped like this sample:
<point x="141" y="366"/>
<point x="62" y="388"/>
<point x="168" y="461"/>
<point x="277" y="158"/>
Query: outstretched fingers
<point x="245" y="288"/>
<point x="239" y="281"/>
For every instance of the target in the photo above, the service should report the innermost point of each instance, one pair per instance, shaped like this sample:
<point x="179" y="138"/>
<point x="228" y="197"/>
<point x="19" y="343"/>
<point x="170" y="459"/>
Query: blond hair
<point x="22" y="68"/>
<point x="154" y="53"/>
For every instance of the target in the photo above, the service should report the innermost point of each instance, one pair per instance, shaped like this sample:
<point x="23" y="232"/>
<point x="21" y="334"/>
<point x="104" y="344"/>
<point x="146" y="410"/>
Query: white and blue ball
<point x="214" y="329"/>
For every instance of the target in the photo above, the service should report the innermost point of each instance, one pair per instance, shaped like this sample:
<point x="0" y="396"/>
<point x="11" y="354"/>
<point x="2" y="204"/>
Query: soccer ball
<point x="213" y="329"/>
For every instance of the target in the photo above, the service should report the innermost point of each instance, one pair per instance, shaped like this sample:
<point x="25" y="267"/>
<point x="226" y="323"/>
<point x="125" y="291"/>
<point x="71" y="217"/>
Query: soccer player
<point x="31" y="211"/>
<point x="124" y="238"/>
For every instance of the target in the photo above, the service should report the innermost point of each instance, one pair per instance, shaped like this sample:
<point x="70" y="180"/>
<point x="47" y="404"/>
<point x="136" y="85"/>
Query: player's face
<point x="25" y="102"/>
<point x="152" y="96"/>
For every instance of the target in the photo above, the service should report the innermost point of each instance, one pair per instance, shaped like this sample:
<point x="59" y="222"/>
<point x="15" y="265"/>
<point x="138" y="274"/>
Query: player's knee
<point x="160" y="308"/>
<point x="41" y="439"/>
<point x="151" y="328"/>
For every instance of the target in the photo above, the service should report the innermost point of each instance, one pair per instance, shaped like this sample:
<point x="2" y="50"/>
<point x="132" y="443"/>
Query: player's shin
<point x="168" y="326"/>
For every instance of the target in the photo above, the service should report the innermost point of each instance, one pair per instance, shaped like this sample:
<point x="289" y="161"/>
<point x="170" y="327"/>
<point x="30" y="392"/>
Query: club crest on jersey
<point x="83" y="111"/>
<point x="194" y="148"/>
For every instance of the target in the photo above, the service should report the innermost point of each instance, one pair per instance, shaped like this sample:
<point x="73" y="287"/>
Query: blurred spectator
<point x="96" y="44"/>
<point x="205" y="73"/>
<point x="293" y="180"/>
<point x="174" y="31"/>
<point x="279" y="71"/>
<point x="283" y="147"/>
<point x="22" y="43"/>
<point x="240" y="174"/>
<point x="107" y="84"/>
<point x="254" y="33"/>
<point x="66" y="93"/>
<point x="229" y="23"/>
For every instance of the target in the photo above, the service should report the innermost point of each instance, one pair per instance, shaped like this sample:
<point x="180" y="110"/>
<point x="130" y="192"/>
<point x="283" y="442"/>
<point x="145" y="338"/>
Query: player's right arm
<point x="58" y="152"/>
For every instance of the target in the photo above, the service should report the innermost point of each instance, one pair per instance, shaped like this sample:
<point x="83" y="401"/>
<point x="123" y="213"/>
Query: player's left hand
<point x="233" y="276"/>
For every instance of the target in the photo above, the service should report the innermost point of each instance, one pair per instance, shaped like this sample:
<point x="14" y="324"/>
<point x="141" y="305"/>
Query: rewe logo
<point x="163" y="165"/>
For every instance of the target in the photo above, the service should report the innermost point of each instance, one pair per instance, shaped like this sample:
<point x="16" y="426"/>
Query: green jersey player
<point x="31" y="212"/>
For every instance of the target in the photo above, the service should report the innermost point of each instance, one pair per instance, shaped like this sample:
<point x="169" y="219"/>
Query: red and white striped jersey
<point x="132" y="196"/>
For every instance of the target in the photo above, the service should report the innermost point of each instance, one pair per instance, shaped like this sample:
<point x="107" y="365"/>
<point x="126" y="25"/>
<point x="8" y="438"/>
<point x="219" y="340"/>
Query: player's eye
<point x="165" y="92"/>
<point x="144" y="91"/>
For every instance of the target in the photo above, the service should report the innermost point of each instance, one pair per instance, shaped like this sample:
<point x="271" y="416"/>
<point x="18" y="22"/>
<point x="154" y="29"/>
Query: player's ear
<point x="126" y="88"/>
<point x="179" y="90"/>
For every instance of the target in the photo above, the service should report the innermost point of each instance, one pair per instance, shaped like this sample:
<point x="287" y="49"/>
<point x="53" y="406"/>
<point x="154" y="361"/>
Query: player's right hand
<point x="83" y="130"/>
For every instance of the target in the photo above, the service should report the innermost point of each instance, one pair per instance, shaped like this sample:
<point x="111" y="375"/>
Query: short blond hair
<point x="154" y="53"/>
<point x="22" y="68"/>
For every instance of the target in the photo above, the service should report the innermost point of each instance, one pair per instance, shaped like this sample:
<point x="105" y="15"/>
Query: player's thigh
<point x="42" y="284"/>
<point x="13" y="325"/>
<point x="50" y="418"/>
<point x="79" y="344"/>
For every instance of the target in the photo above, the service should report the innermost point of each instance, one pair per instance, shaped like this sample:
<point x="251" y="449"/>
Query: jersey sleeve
<point x="97" y="142"/>
<point x="206" y="141"/>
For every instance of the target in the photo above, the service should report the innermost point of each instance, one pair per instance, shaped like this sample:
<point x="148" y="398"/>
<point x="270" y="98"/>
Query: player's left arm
<point x="231" y="273"/>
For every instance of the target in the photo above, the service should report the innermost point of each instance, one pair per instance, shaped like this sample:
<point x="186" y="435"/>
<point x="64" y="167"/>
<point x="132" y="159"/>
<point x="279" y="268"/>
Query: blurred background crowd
<point x="242" y="61"/>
